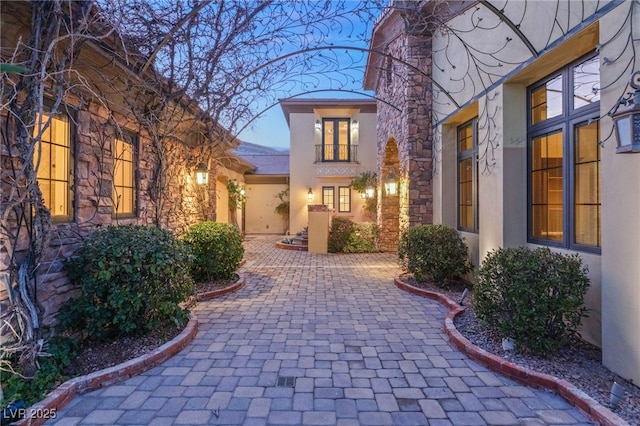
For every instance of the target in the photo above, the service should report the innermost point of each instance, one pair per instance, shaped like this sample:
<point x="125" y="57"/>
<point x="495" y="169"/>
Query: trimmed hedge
<point x="434" y="253"/>
<point x="217" y="250"/>
<point x="534" y="297"/>
<point x="347" y="236"/>
<point x="132" y="279"/>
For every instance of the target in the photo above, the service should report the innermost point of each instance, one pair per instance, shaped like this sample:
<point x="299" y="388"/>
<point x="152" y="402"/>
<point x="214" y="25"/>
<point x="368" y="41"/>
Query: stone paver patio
<point x="362" y="352"/>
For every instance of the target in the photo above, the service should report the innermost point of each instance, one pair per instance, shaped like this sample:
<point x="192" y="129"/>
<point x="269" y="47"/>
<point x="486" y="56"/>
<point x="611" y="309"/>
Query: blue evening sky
<point x="270" y="129"/>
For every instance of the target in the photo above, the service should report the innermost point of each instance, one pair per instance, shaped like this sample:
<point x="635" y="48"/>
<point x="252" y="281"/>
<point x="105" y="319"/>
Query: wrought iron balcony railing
<point x="336" y="153"/>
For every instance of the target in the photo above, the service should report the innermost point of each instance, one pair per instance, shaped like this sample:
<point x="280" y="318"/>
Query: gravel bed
<point x="578" y="362"/>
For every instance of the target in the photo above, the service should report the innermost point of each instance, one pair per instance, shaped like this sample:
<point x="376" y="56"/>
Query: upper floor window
<point x="467" y="147"/>
<point x="336" y="139"/>
<point x="124" y="175"/>
<point x="52" y="157"/>
<point x="564" y="157"/>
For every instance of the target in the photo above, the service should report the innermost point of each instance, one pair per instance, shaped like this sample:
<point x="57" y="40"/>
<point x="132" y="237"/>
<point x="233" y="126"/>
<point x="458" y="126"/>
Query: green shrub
<point x="217" y="250"/>
<point x="434" y="253"/>
<point x="363" y="238"/>
<point x="15" y="386"/>
<point x="132" y="279"/>
<point x="341" y="230"/>
<point x="534" y="297"/>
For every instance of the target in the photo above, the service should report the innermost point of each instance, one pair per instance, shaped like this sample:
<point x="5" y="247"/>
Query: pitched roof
<point x="268" y="161"/>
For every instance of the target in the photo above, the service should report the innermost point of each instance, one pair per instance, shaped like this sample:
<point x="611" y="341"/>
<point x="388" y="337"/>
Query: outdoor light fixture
<point x="616" y="394"/>
<point x="310" y="195"/>
<point x="626" y="120"/>
<point x="391" y="185"/>
<point x="363" y="195"/>
<point x="202" y="174"/>
<point x="318" y="125"/>
<point x="354" y="125"/>
<point x="242" y="191"/>
<point x="370" y="191"/>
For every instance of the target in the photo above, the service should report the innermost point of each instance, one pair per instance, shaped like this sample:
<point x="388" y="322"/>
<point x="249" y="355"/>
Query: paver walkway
<point x="362" y="352"/>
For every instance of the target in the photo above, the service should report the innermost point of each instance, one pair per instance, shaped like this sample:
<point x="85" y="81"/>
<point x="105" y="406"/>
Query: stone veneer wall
<point x="409" y="89"/>
<point x="92" y="162"/>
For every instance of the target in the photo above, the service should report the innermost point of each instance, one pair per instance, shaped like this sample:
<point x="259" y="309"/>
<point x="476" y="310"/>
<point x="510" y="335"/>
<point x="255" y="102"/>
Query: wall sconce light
<point x="202" y="174"/>
<point x="310" y="195"/>
<point x="626" y="121"/>
<point x="242" y="191"/>
<point x="363" y="195"/>
<point x="318" y="125"/>
<point x="354" y="125"/>
<point x="391" y="184"/>
<point x="370" y="191"/>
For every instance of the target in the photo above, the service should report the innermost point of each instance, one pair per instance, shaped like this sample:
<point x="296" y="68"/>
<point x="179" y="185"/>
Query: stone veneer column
<point x="407" y="89"/>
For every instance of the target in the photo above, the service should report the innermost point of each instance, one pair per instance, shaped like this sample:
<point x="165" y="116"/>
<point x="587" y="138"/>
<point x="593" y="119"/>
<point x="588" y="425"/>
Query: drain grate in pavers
<point x="286" y="382"/>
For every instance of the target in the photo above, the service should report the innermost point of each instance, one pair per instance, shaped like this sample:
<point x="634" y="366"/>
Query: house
<point x="332" y="142"/>
<point x="518" y="138"/>
<point x="266" y="186"/>
<point x="109" y="146"/>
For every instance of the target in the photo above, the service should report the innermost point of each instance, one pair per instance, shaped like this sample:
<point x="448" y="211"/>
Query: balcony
<point x="336" y="153"/>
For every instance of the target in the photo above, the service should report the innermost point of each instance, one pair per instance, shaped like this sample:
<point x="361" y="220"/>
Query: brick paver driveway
<point x="362" y="352"/>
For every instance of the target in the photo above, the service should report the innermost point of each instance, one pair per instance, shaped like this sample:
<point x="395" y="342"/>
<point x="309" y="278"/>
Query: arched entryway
<point x="389" y="205"/>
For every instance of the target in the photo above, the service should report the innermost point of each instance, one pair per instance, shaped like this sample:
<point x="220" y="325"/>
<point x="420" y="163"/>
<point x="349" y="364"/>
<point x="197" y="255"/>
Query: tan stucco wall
<point x="304" y="172"/>
<point x="614" y="294"/>
<point x="260" y="215"/>
<point x="620" y="216"/>
<point x="223" y="176"/>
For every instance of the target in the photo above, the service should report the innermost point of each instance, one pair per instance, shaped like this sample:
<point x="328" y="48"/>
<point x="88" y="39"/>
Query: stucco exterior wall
<point x="305" y="173"/>
<point x="614" y="294"/>
<point x="223" y="213"/>
<point x="620" y="211"/>
<point x="260" y="215"/>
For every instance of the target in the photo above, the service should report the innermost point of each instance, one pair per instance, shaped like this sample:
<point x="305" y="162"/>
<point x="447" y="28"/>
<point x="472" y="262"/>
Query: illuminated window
<point x="52" y="157"/>
<point x="564" y="158"/>
<point x="124" y="176"/>
<point x="328" y="195"/>
<point x="468" y="176"/>
<point x="344" y="206"/>
<point x="336" y="139"/>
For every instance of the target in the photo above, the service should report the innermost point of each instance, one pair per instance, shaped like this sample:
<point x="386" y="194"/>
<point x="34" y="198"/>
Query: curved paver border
<point x="65" y="393"/>
<point x="293" y="247"/>
<point x="596" y="411"/>
<point x="201" y="297"/>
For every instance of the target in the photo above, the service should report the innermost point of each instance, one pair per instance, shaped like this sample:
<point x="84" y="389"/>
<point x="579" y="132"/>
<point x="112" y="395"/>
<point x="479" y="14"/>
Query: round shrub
<point x="341" y="230"/>
<point x="363" y="238"/>
<point x="131" y="279"/>
<point x="217" y="250"/>
<point x="434" y="253"/>
<point x="534" y="297"/>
